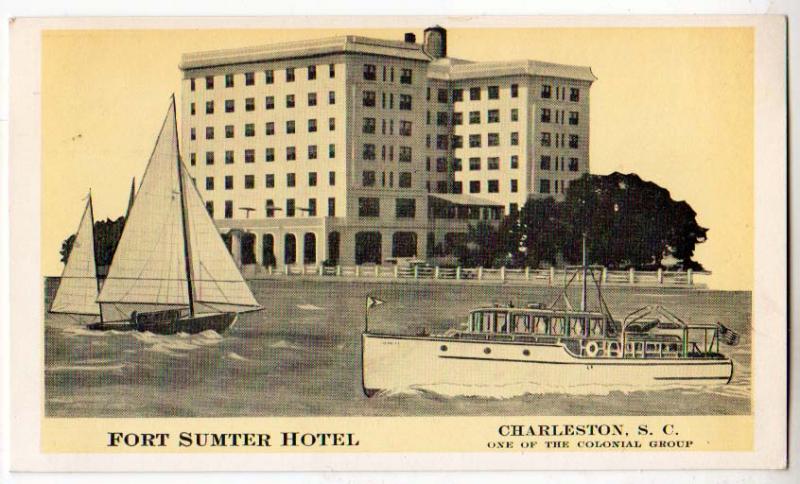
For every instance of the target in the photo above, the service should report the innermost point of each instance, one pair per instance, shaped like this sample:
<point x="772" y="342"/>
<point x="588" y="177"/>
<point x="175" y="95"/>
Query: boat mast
<point x="184" y="221"/>
<point x="583" y="291"/>
<point x="94" y="250"/>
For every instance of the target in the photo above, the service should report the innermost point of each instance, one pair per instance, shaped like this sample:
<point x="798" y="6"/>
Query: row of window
<point x="369" y="179"/>
<point x="369" y="99"/>
<point x="312" y="126"/>
<point x="269" y="103"/>
<point x="492" y="186"/>
<point x="560" y="140"/>
<point x="445" y="142"/>
<point x="493" y="163"/>
<point x="493" y="92"/>
<point x="269" y="77"/>
<point x="269" y="180"/>
<point x="271" y="208"/>
<point x="371" y="74"/>
<point x="557" y="163"/>
<point x="492" y="116"/>
<point x="369" y="126"/>
<point x="269" y="155"/>
<point x="371" y="207"/>
<point x="558" y="186"/>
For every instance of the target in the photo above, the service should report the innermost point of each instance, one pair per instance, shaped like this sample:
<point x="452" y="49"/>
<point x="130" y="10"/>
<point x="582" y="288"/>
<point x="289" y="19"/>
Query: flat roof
<point x="461" y="70"/>
<point x="468" y="200"/>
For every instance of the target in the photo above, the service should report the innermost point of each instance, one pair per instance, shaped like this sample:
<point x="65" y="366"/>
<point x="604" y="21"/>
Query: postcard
<point x="398" y="243"/>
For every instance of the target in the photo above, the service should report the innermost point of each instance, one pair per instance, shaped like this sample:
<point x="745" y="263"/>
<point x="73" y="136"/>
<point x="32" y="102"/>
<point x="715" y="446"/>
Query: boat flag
<point x="373" y="301"/>
<point x="727" y="335"/>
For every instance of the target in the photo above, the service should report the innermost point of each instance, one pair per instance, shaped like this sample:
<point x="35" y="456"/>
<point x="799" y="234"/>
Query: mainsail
<point x="77" y="291"/>
<point x="150" y="270"/>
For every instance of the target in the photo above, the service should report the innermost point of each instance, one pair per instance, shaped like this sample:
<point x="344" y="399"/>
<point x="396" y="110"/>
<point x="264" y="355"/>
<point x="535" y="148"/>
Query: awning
<point x="464" y="200"/>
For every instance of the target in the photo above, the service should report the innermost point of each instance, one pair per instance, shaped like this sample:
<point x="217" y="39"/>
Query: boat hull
<point x="218" y="322"/>
<point x="494" y="368"/>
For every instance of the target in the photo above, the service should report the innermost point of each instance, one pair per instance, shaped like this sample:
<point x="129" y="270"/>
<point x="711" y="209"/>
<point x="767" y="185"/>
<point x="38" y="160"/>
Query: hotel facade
<point x="357" y="150"/>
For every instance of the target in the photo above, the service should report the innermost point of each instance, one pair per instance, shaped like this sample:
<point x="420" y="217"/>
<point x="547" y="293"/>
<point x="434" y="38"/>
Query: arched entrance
<point x="268" y="250"/>
<point x="248" y="248"/>
<point x="290" y="249"/>
<point x="404" y="244"/>
<point x="309" y="248"/>
<point x="333" y="247"/>
<point x="368" y="247"/>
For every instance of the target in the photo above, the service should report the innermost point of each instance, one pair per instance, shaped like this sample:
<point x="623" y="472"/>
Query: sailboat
<point x="79" y="286"/>
<point x="171" y="271"/>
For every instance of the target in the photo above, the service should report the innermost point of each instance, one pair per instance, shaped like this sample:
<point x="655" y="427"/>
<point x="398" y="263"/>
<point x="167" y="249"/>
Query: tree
<point x="106" y="237"/>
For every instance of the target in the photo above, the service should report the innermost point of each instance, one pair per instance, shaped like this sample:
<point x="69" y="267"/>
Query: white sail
<point x="216" y="282"/>
<point x="148" y="270"/>
<point x="77" y="290"/>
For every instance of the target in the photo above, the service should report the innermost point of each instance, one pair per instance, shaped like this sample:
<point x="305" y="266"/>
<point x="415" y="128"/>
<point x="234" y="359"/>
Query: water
<point x="301" y="357"/>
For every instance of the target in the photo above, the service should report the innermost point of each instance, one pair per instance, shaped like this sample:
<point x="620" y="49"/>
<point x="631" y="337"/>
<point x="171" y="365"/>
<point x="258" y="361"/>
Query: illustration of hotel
<point x="357" y="149"/>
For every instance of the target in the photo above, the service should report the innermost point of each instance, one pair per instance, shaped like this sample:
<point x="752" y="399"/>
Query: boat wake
<point x="284" y="345"/>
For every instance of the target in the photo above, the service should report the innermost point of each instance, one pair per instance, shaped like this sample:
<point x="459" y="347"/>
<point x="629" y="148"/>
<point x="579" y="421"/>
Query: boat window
<point x="502" y="323"/>
<point x="522" y="323"/>
<point x="477" y="322"/>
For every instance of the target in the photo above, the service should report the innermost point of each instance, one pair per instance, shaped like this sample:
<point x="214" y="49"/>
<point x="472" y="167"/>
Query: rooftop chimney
<point x="410" y="38"/>
<point x="436" y="42"/>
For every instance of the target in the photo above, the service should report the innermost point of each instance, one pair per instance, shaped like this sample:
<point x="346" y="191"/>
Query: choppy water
<point x="301" y="356"/>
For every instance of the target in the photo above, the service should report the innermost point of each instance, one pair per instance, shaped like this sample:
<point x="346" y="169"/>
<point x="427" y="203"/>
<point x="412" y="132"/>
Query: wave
<point x="285" y="345"/>
<point x="92" y="368"/>
<point x="309" y="307"/>
<point x="236" y="357"/>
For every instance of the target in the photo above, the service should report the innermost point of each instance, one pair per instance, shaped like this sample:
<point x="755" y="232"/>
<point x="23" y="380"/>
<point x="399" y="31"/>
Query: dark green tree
<point x="106" y="237"/>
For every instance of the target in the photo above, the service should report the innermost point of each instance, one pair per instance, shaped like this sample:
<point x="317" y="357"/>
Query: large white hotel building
<point x="356" y="149"/>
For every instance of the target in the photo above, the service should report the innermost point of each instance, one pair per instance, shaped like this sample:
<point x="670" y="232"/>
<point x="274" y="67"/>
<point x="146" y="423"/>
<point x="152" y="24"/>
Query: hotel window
<point x="458" y="187"/>
<point x="370" y="72"/>
<point x="573" y="141"/>
<point x="312" y="152"/>
<point x="210" y="208"/>
<point x="405" y="128"/>
<point x="209" y="82"/>
<point x="312" y="99"/>
<point x="458" y="141"/>
<point x="458" y="95"/>
<point x="192" y="159"/>
<point x="369" y="126"/>
<point x="290" y="129"/>
<point x="269" y="154"/>
<point x="369" y="99"/>
<point x="544" y="163"/>
<point x="228" y="80"/>
<point x="229" y="157"/>
<point x="290" y="100"/>
<point x="573" y="164"/>
<point x="229" y="182"/>
<point x="544" y="186"/>
<point x="229" y="131"/>
<point x="331" y="207"/>
<point x="331" y="70"/>
<point x="546" y="139"/>
<point x="493" y="116"/>
<point x="493" y="92"/>
<point x="456" y="164"/>
<point x="474" y="117"/>
<point x="228" y="208"/>
<point x="210" y="132"/>
<point x="331" y="97"/>
<point x="229" y="106"/>
<point x="269" y="180"/>
<point x="192" y="109"/>
<point x="574" y="94"/>
<point x="441" y="119"/>
<point x="514" y="187"/>
<point x="441" y="141"/>
<point x="312" y="73"/>
<point x="312" y="125"/>
<point x="474" y="141"/>
<point x="493" y="139"/>
<point x="209" y="107"/>
<point x="250" y="156"/>
<point x="332" y="178"/>
<point x="368" y="178"/>
<point x="249" y="78"/>
<point x="515" y="114"/>
<point x="269" y="77"/>
<point x="369" y="207"/>
<point x="269" y="205"/>
<point x="249" y="130"/>
<point x="209" y="183"/>
<point x="209" y="157"/>
<point x="475" y="186"/>
<point x="331" y="124"/>
<point x="192" y="134"/>
<point x="405" y="208"/>
<point x="441" y="186"/>
<point x="291" y="153"/>
<point x="546" y="92"/>
<point x="493" y="186"/>
<point x="514" y="161"/>
<point x="573" y="118"/>
<point x="269" y="128"/>
<point x="404" y="181"/>
<point x="250" y="104"/>
<point x="458" y="119"/>
<point x="312" y="207"/>
<point x="290" y="213"/>
<point x="249" y="182"/>
<point x="515" y="90"/>
<point x="404" y="154"/>
<point x="191" y="83"/>
<point x="441" y="164"/>
<point x="427" y="141"/>
<point x="406" y="76"/>
<point x="428" y="94"/>
<point x="474" y="163"/>
<point x="290" y="74"/>
<point x="369" y="151"/>
<point x="331" y="151"/>
<point x="290" y="180"/>
<point x="474" y="94"/>
<point x="405" y="102"/>
<point x="441" y="95"/>
<point x="545" y="116"/>
<point x="493" y="163"/>
<point x="515" y="139"/>
<point x="269" y="102"/>
<point x="312" y="179"/>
